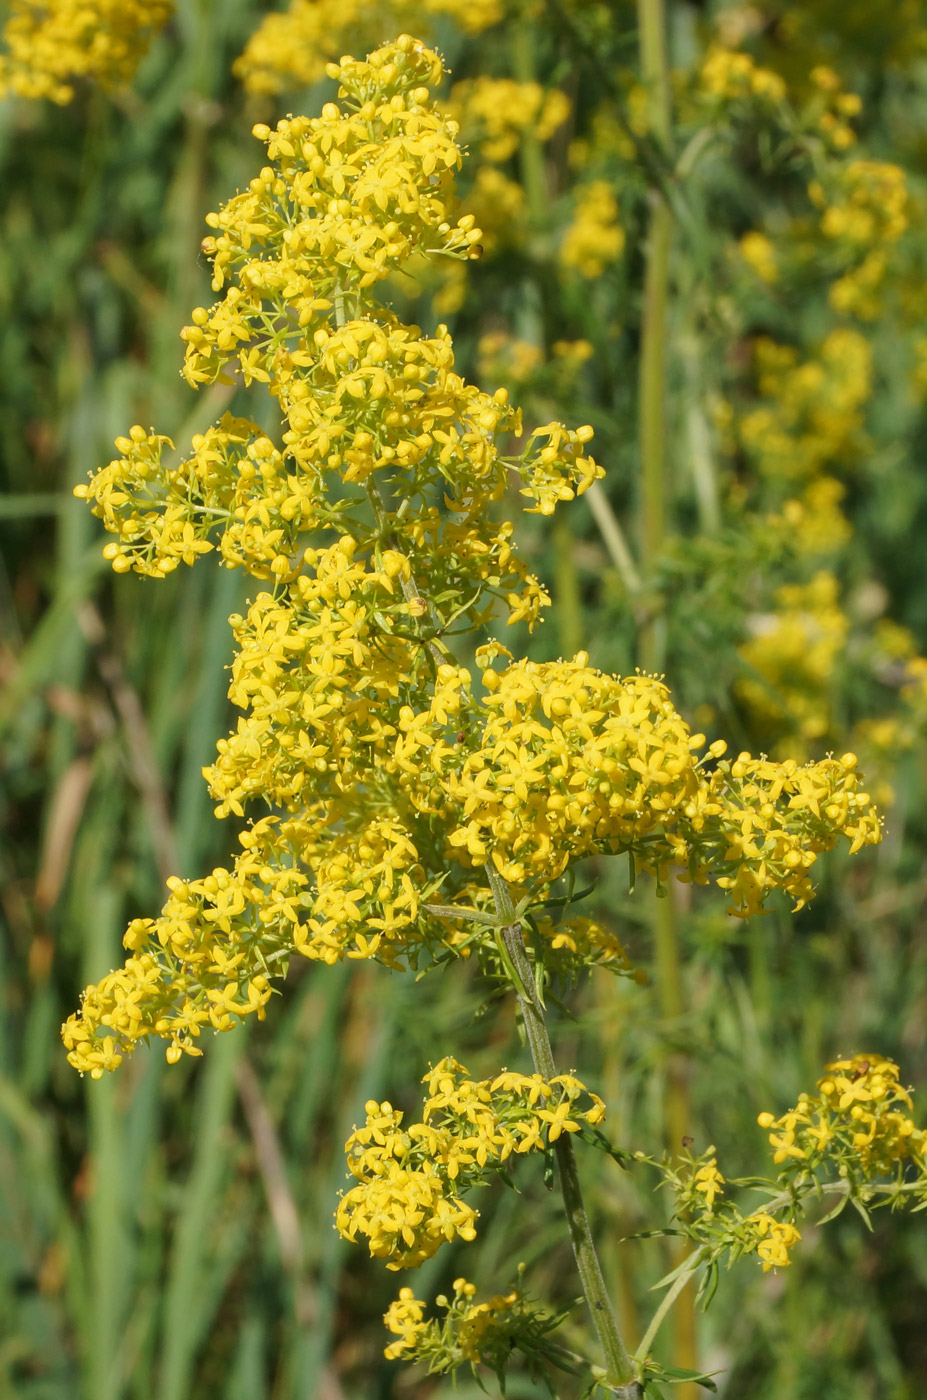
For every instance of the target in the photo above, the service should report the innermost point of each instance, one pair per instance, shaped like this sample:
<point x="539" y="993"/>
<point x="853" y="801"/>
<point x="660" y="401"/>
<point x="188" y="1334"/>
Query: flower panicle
<point x="412" y="1177"/>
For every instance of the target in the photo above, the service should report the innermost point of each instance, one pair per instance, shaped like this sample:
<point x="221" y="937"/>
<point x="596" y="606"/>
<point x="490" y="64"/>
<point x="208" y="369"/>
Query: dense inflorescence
<point x="412" y="1177"/>
<point x="49" y="45"/>
<point x="378" y="774"/>
<point x="469" y="1332"/>
<point x="291" y="48"/>
<point x="857" y="1120"/>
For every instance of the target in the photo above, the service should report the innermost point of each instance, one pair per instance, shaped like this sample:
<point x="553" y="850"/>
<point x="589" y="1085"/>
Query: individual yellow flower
<point x="709" y="1182"/>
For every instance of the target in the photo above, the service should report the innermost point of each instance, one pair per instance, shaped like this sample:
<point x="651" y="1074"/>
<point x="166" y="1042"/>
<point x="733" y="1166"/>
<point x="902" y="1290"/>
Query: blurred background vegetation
<point x="760" y="538"/>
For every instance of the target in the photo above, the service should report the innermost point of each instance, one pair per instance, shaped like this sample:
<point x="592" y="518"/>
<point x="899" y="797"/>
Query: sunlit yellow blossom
<point x="857" y="1121"/>
<point x="405" y="1318"/>
<point x="412" y="1176"/>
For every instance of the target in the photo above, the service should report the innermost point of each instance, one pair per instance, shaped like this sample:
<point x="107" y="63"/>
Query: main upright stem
<point x="621" y="1372"/>
<point x="652" y="379"/>
<point x="652" y="416"/>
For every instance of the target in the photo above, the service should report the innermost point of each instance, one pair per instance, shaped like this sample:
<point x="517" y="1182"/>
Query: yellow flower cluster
<point x="411" y="1178"/>
<point x="831" y="109"/>
<point x="379" y="785"/>
<point x="350" y="197"/>
<point x="715" y="1223"/>
<point x="812" y="415"/>
<point x="792" y="657"/>
<point x="726" y="75"/>
<point x="291" y="49"/>
<point x="571" y="761"/>
<point x="865" y="211"/>
<point x="204" y="963"/>
<point x="774" y="819"/>
<point x="405" y="1318"/>
<point x="49" y="45"/>
<point x="728" y="79"/>
<point x="560" y="761"/>
<point x="814" y="520"/>
<point x="594" y="239"/>
<point x="772" y="1239"/>
<point x="856" y="1121"/>
<point x="469" y="1331"/>
<point x="493" y="112"/>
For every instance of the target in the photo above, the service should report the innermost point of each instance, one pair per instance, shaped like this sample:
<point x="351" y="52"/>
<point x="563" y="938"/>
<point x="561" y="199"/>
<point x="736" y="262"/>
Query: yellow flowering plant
<point x="396" y="803"/>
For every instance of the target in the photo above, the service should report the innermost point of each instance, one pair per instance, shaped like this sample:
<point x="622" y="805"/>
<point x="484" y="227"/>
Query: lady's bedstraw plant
<point x="402" y="807"/>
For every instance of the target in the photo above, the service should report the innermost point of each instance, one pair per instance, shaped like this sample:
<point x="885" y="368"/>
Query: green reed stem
<point x="652" y="416"/>
<point x="652" y="380"/>
<point x="621" y="1372"/>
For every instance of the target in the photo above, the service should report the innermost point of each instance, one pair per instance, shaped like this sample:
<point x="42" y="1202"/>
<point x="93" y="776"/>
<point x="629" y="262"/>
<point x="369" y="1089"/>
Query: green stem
<point x="669" y="1298"/>
<point x="652" y="409"/>
<point x="613" y="538"/>
<point x="531" y="154"/>
<point x="651" y="22"/>
<point x="701" y="456"/>
<point x="652" y="384"/>
<point x="621" y="1372"/>
<point x="569" y="598"/>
